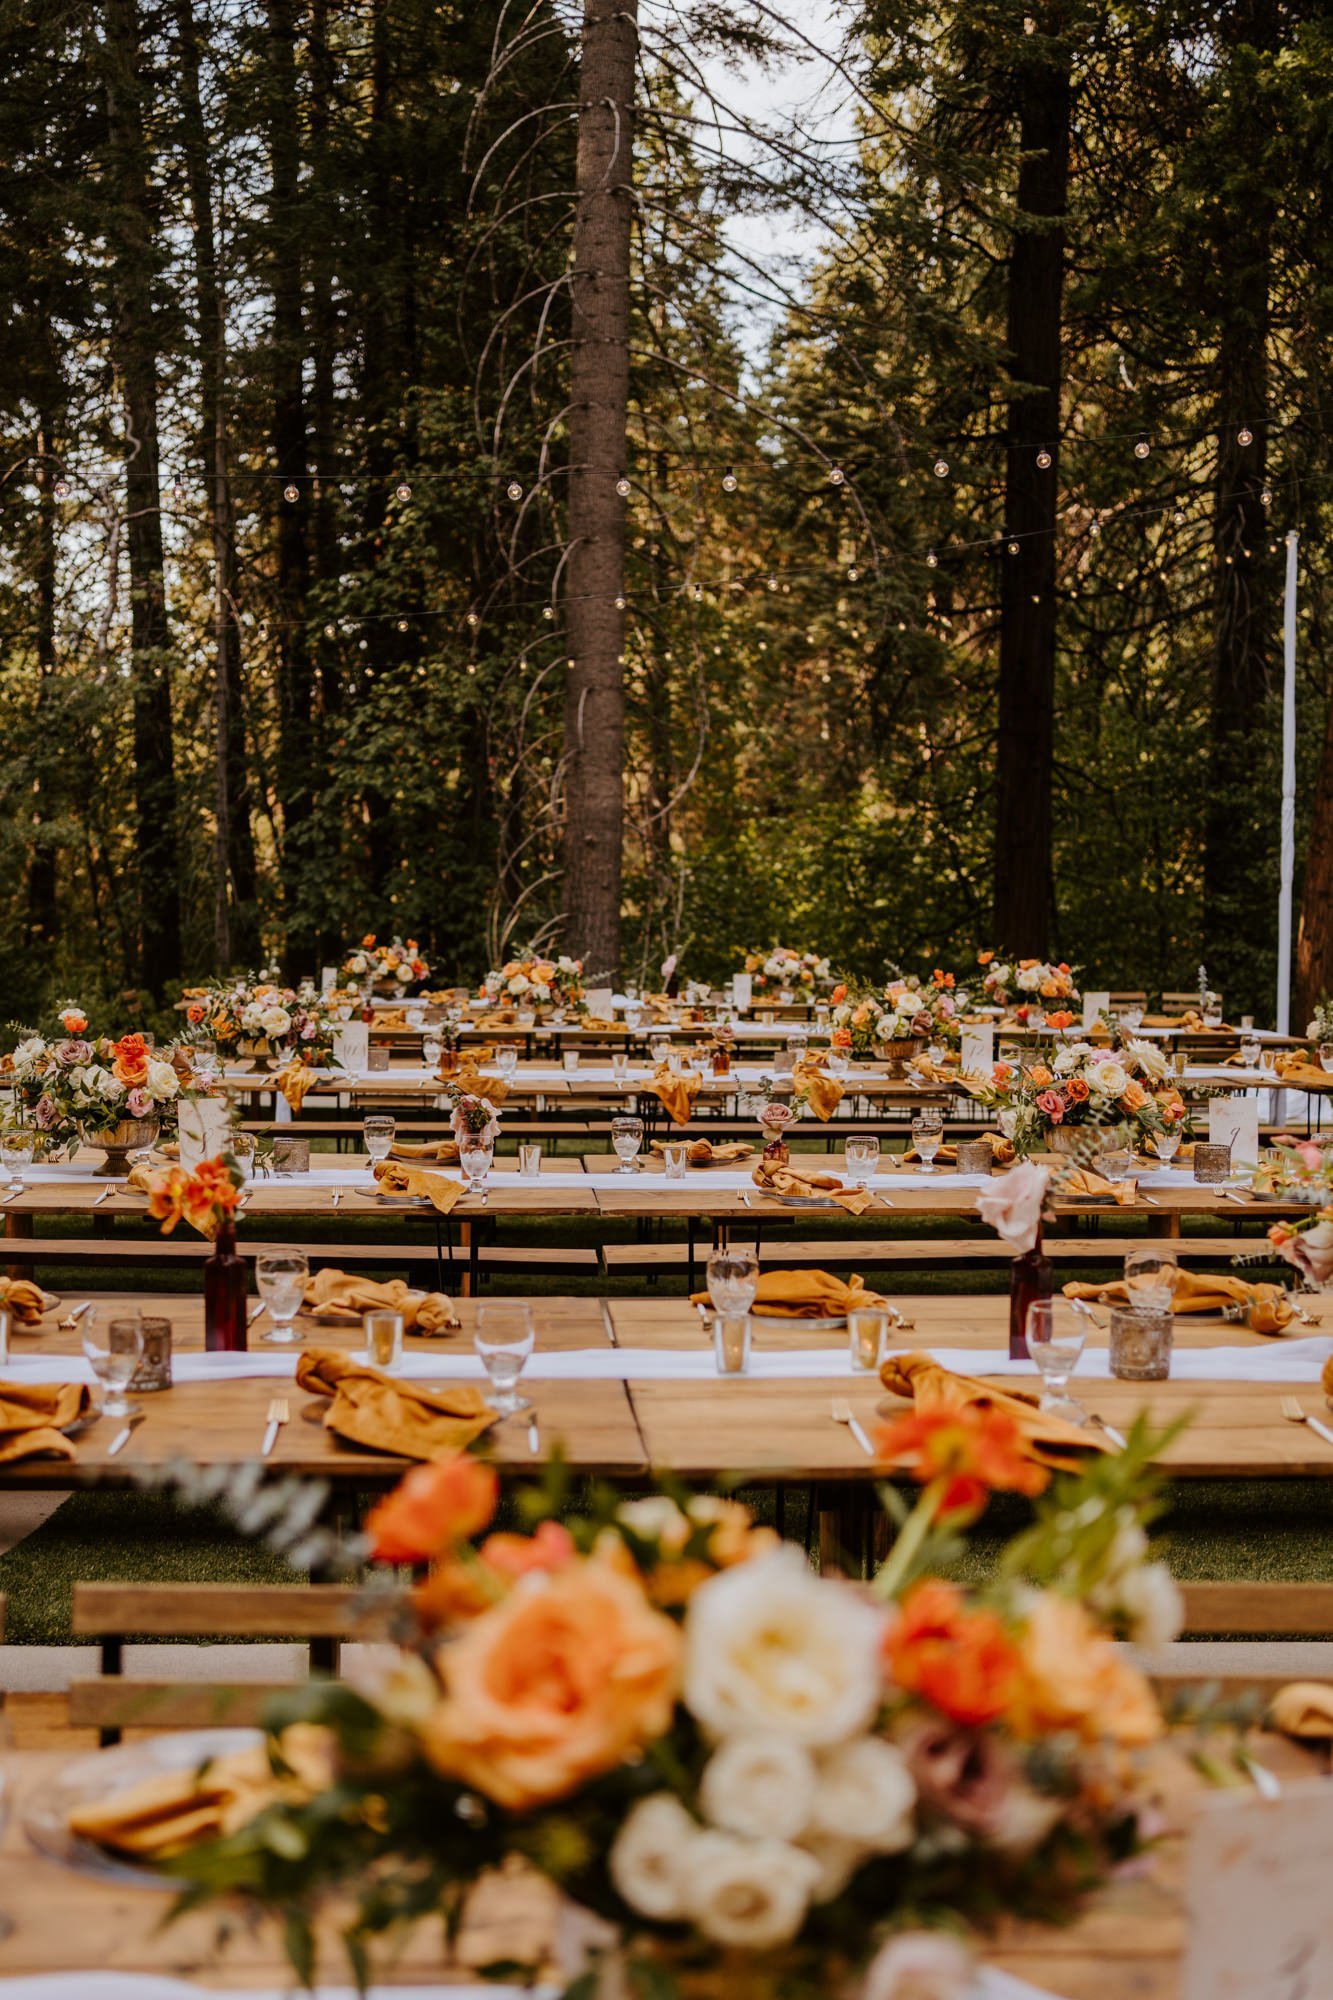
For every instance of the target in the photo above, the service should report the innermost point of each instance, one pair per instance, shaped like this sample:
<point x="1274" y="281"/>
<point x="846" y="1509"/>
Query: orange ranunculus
<point x="1040" y="1076"/>
<point x="963" y="1661"/>
<point x="1135" y="1097"/>
<point x="130" y="1060"/>
<point x="412" y="946"/>
<point x="194" y="1013"/>
<point x="549" y="1547"/>
<point x="368" y="942"/>
<point x="164" y="1197"/>
<point x="1073" y="1677"/>
<point x="554" y="1685"/>
<point x="209" y="1194"/>
<point x="74" y="1021"/>
<point x="1062" y="967"/>
<point x="1025" y="963"/>
<point x="985" y="957"/>
<point x="543" y="972"/>
<point x="1060" y="1020"/>
<point x="1001" y="1072"/>
<point x="1076" y="1090"/>
<point x="841" y="1038"/>
<point x="971" y="1451"/>
<point x="433" y="1509"/>
<point x="838" y="995"/>
<point x="454" y="1590"/>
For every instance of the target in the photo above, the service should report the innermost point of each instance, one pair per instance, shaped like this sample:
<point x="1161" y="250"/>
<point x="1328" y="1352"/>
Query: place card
<point x="328" y="979"/>
<point x="1094" y="1006"/>
<point x="1234" y="1121"/>
<point x="351" y="1045"/>
<point x="742" y="991"/>
<point x="1256" y="1890"/>
<point x="976" y="1050"/>
<point x="600" y="1000"/>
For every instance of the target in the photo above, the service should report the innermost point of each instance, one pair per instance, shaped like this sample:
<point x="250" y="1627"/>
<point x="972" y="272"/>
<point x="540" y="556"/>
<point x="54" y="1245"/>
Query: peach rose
<point x="435" y="1507"/>
<point x="553" y="1686"/>
<point x="1134" y="1098"/>
<point x="1040" y="1076"/>
<point x="1072" y="1677"/>
<point x="131" y="1060"/>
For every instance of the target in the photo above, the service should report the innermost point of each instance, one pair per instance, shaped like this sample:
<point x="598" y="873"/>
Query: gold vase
<point x="132" y="1135"/>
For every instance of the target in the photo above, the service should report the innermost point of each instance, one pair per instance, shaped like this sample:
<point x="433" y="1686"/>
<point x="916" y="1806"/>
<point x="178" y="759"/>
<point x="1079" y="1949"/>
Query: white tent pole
<point x="1288" y="864"/>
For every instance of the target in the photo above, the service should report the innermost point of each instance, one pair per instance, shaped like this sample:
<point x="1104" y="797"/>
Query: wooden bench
<point x="1242" y="1610"/>
<point x="921" y="1250"/>
<point x="110" y="1252"/>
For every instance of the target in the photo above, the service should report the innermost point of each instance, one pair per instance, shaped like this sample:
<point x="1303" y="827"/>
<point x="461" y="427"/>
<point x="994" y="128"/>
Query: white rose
<point x="1030" y="978"/>
<point x="838" y="1861"/>
<point x="162" y="1082"/>
<point x="769" y="1646"/>
<point x="919" y="1965"/>
<point x="1108" y="1077"/>
<point x="656" y="1518"/>
<point x="749" y="1894"/>
<point x="1151" y="1601"/>
<point x="252" y="1019"/>
<point x="518" y="984"/>
<point x="648" y="1854"/>
<point x="404" y="975"/>
<point x="357" y="963"/>
<point x="275" y="1021"/>
<point x="865" y="1793"/>
<point x="541" y="990"/>
<point x="1150" y="1059"/>
<point x="759" y="1786"/>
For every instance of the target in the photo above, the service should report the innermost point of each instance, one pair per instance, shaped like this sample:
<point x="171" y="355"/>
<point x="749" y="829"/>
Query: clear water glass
<point x="476" y="1162"/>
<point x="377" y="1130"/>
<point x="383" y="1329"/>
<point x="16" y="1150"/>
<point x="506" y="1060"/>
<point x="838" y="1062"/>
<point x="1056" y="1331"/>
<point x="1150" y="1279"/>
<point x="1168" y="1144"/>
<point x="1249" y="1054"/>
<point x="281" y="1277"/>
<point x="867" y="1333"/>
<point x="569" y="1061"/>
<point x="620" y="1066"/>
<point x="242" y="1148"/>
<point x="860" y="1155"/>
<point x="733" y="1279"/>
<point x="1116" y="1163"/>
<point x="928" y="1137"/>
<point x="1132" y="1017"/>
<point x="432" y="1048"/>
<point x="113" y="1350"/>
<point x="626" y="1139"/>
<point x="658" y="1049"/>
<point x="731" y="1343"/>
<point x="530" y="1161"/>
<point x="675" y="1158"/>
<point x="204" y="1063"/>
<point x="503" y="1340"/>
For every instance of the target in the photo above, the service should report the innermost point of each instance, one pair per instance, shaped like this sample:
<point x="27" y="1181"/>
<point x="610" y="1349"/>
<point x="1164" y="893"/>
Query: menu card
<point x="977" y="1050"/>
<point x="742" y="991"/>
<point x="1234" y="1121"/>
<point x="1260" y="1915"/>
<point x="1094" y="1005"/>
<point x="599" y="1000"/>
<point x="328" y="979"/>
<point x="351" y="1045"/>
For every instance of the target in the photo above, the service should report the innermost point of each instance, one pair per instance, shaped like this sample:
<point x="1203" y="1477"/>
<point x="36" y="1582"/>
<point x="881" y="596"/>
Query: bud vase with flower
<point x="1015" y="1208"/>
<point x="208" y="1199"/>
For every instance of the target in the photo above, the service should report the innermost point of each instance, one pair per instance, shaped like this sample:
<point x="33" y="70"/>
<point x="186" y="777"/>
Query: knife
<point x="119" y="1441"/>
<point x="534" y="1436"/>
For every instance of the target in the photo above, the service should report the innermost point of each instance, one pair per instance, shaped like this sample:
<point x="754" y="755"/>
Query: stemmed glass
<point x="1056" y="1331"/>
<point x="377" y="1130"/>
<point x="1249" y="1053"/>
<point x="282" y="1276"/>
<point x="627" y="1138"/>
<point x="506" y="1060"/>
<point x="504" y="1339"/>
<point x="1326" y="1056"/>
<point x="432" y="1048"/>
<point x="204" y="1062"/>
<point x="1150" y="1279"/>
<point x="1167" y="1143"/>
<point x="928" y="1137"/>
<point x="16" y="1150"/>
<point x="860" y="1156"/>
<point x="733" y="1280"/>
<point x="476" y="1161"/>
<point x="113" y="1352"/>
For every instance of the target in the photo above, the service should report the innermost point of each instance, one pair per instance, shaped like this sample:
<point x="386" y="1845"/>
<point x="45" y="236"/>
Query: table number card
<point x="742" y="989"/>
<point x="328" y="979"/>
<point x="977" y="1050"/>
<point x="599" y="1000"/>
<point x="351" y="1045"/>
<point x="1094" y="1005"/>
<point x="1238" y="1116"/>
<point x="1260" y="1915"/>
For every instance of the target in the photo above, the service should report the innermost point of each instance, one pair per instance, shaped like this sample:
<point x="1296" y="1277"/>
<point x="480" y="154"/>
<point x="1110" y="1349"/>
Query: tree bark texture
<point x="1025" y="747"/>
<point x="130" y="225"/>
<point x="1314" y="935"/>
<point x="43" y="918"/>
<point x="599" y="395"/>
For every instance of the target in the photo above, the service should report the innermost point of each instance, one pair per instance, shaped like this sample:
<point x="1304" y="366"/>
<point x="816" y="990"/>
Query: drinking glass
<point x="506" y="1060"/>
<point x="1212" y="1015"/>
<point x="384" y="1336"/>
<point x="658" y="1049"/>
<point x="838" y="1062"/>
<point x="432" y="1048"/>
<point x="16" y="1150"/>
<point x="530" y="1161"/>
<point x="1056" y="1331"/>
<point x="1249" y="1053"/>
<point x="113" y="1349"/>
<point x="527" y="1017"/>
<point x="282" y="1276"/>
<point x="731" y="1343"/>
<point x="504" y="1339"/>
<point x="860" y="1156"/>
<point x="1132" y="1017"/>
<point x="570" y="1060"/>
<point x="675" y="1155"/>
<point x="377" y="1130"/>
<point x="626" y="1138"/>
<point x="204" y="1062"/>
<point x="733" y="1280"/>
<point x="798" y="1041"/>
<point x="927" y="1137"/>
<point x="1246" y="1023"/>
<point x="675" y="1061"/>
<point x="476" y="1162"/>
<point x="4" y="1336"/>
<point x="1326" y="1055"/>
<point x="1116" y="1163"/>
<point x="1150" y="1279"/>
<point x="866" y="1333"/>
<point x="1168" y="1144"/>
<point x="620" y="1066"/>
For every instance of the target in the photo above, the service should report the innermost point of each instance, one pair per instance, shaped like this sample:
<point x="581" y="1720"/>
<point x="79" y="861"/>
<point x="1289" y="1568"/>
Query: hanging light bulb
<point x="1244" y="436"/>
<point x="1142" y="445"/>
<point x="402" y="624"/>
<point x="177" y="491"/>
<point x="402" y="491"/>
<point x="697" y="593"/>
<point x="932" y="560"/>
<point x="1266" y="497"/>
<point x="620" y="604"/>
<point x="941" y="468"/>
<point x="1096" y="524"/>
<point x="1036" y="597"/>
<point x="771" y="584"/>
<point x="61" y="489"/>
<point x="837" y="477"/>
<point x="547" y="611"/>
<point x="729" y="481"/>
<point x="1044" y="459"/>
<point x="291" y="493"/>
<point x="623" y="486"/>
<point x="1179" y="517"/>
<point x="330" y="631"/>
<point x="472" y="621"/>
<point x="514" y="490"/>
<point x="853" y="574"/>
<point x="1013" y="548"/>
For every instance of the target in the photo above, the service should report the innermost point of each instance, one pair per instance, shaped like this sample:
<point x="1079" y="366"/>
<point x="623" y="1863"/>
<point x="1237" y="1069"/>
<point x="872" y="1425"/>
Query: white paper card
<point x="977" y="1050"/>
<point x="1094" y="1004"/>
<point x="351" y="1045"/>
<point x="599" y="1000"/>
<point x="205" y="1128"/>
<point x="1260" y="1915"/>
<point x="328" y="978"/>
<point x="1234" y="1121"/>
<point x="742" y="990"/>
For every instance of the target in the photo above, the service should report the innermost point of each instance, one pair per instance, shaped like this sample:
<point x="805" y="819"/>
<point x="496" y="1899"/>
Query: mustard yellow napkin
<point x="1082" y="1183"/>
<point x="444" y="1150"/>
<point x="24" y="1301"/>
<point x="1294" y="1067"/>
<point x="786" y="1180"/>
<point x="33" y="1416"/>
<point x="370" y="1408"/>
<point x="295" y="1081"/>
<point x="1267" y="1307"/>
<point x="467" y="1077"/>
<point x="163" y="1815"/>
<point x="390" y="1017"/>
<point x="1303" y="1709"/>
<point x="675" y="1094"/>
<point x="822" y="1093"/>
<point x="703" y="1153"/>
<point x="395" y="1177"/>
<point x="808" y="1295"/>
<point x="945" y="1156"/>
<point x="1050" y="1439"/>
<point x="333" y="1294"/>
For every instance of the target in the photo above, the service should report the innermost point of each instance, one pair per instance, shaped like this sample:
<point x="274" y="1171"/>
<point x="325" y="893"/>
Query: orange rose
<point x="841" y="1038"/>
<point x="435" y="1507"/>
<point x="164" y="1197"/>
<point x="1076" y="1090"/>
<point x="1062" y="1020"/>
<point x="1062" y="967"/>
<point x="965" y="1453"/>
<point x="549" y="1547"/>
<point x="368" y="942"/>
<point x="1040" y="1076"/>
<point x="194" y="1014"/>
<point x="962" y="1661"/>
<point x="130" y="1064"/>
<point x="985" y="957"/>
<point x="838" y="995"/>
<point x="1049" y="989"/>
<point x="553" y="1686"/>
<point x="1074" y="1678"/>
<point x="1135" y="1097"/>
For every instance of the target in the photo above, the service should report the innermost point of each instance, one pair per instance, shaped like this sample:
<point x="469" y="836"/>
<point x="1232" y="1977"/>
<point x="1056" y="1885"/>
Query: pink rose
<point x="45" y="1113"/>
<point x="1053" y="1105"/>
<point x="1310" y="1250"/>
<point x="308" y="1032"/>
<point x="1012" y="1207"/>
<point x="920" y="1965"/>
<point x="73" y="1055"/>
<point x="139" y="1104"/>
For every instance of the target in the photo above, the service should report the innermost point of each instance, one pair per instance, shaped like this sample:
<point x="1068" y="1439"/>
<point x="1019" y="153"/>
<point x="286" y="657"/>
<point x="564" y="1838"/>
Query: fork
<point x="277" y="1417"/>
<point x="74" y="1315"/>
<point x="1294" y="1414"/>
<point x="842" y="1414"/>
<point x="112" y="1187"/>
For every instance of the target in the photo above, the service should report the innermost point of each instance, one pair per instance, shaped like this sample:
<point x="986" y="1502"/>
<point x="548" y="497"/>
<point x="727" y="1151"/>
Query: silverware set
<point x="842" y="1414"/>
<point x="1294" y="1414"/>
<point x="278" y="1415"/>
<point x="74" y="1315"/>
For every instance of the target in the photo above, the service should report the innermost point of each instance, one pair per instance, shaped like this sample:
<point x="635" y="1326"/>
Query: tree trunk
<point x="236" y="916"/>
<point x="599" y="398"/>
<point x="43" y="926"/>
<point x="1023" y="873"/>
<point x="135" y="264"/>
<point x="1314" y="936"/>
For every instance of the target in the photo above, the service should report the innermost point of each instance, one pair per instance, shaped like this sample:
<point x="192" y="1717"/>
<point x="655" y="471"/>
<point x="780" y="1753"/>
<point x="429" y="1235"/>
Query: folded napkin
<point x="1267" y="1307"/>
<point x="1303" y="1709"/>
<point x="675" y="1094"/>
<point x="933" y="1072"/>
<point x="945" y="1156"/>
<point x="500" y="1017"/>
<point x="1294" y="1067"/>
<point x="786" y="1180"/>
<point x="429" y="1149"/>
<point x="597" y="1021"/>
<point x="468" y="1078"/>
<point x="1082" y="1183"/>
<point x="395" y="1177"/>
<point x="390" y="1017"/>
<point x="165" y="1814"/>
<point x="295" y="1081"/>
<point x="822" y="1093"/>
<point x="24" y="1301"/>
<point x="333" y="1294"/>
<point x="33" y="1416"/>
<point x="703" y="1153"/>
<point x="1050" y="1439"/>
<point x="808" y="1295"/>
<point x="371" y="1408"/>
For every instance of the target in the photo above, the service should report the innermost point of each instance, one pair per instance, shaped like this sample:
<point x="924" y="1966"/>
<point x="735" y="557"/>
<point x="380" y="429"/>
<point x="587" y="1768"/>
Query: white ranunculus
<point x="1151" y="1600"/>
<point x="771" y="1647"/>
<point x="759" y="1786"/>
<point x="252" y="1019"/>
<point x="1150" y="1058"/>
<point x="748" y="1894"/>
<point x="540" y="990"/>
<point x="1029" y="978"/>
<point x="656" y="1518"/>
<point x="1108" y="1076"/>
<point x="865" y="1793"/>
<point x="838" y="1861"/>
<point x="920" y="1965"/>
<point x="647" y="1858"/>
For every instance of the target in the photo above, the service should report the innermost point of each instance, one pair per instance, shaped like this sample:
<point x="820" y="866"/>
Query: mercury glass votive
<point x="1140" y="1345"/>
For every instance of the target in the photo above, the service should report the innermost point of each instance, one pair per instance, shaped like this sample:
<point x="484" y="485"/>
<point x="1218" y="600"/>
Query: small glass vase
<point x="225" y="1322"/>
<point x="1031" y="1277"/>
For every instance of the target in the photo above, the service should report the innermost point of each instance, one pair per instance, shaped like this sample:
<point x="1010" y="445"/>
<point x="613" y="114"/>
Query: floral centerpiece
<point x="740" y="1776"/>
<point x="394" y="967"/>
<point x="1024" y="981"/>
<point x="532" y="981"/>
<point x="105" y="1092"/>
<point x="257" y="1016"/>
<point x="854" y="1021"/>
<point x="800" y="973"/>
<point x="209" y="1199"/>
<point x="946" y="1003"/>
<point x="1065" y="1100"/>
